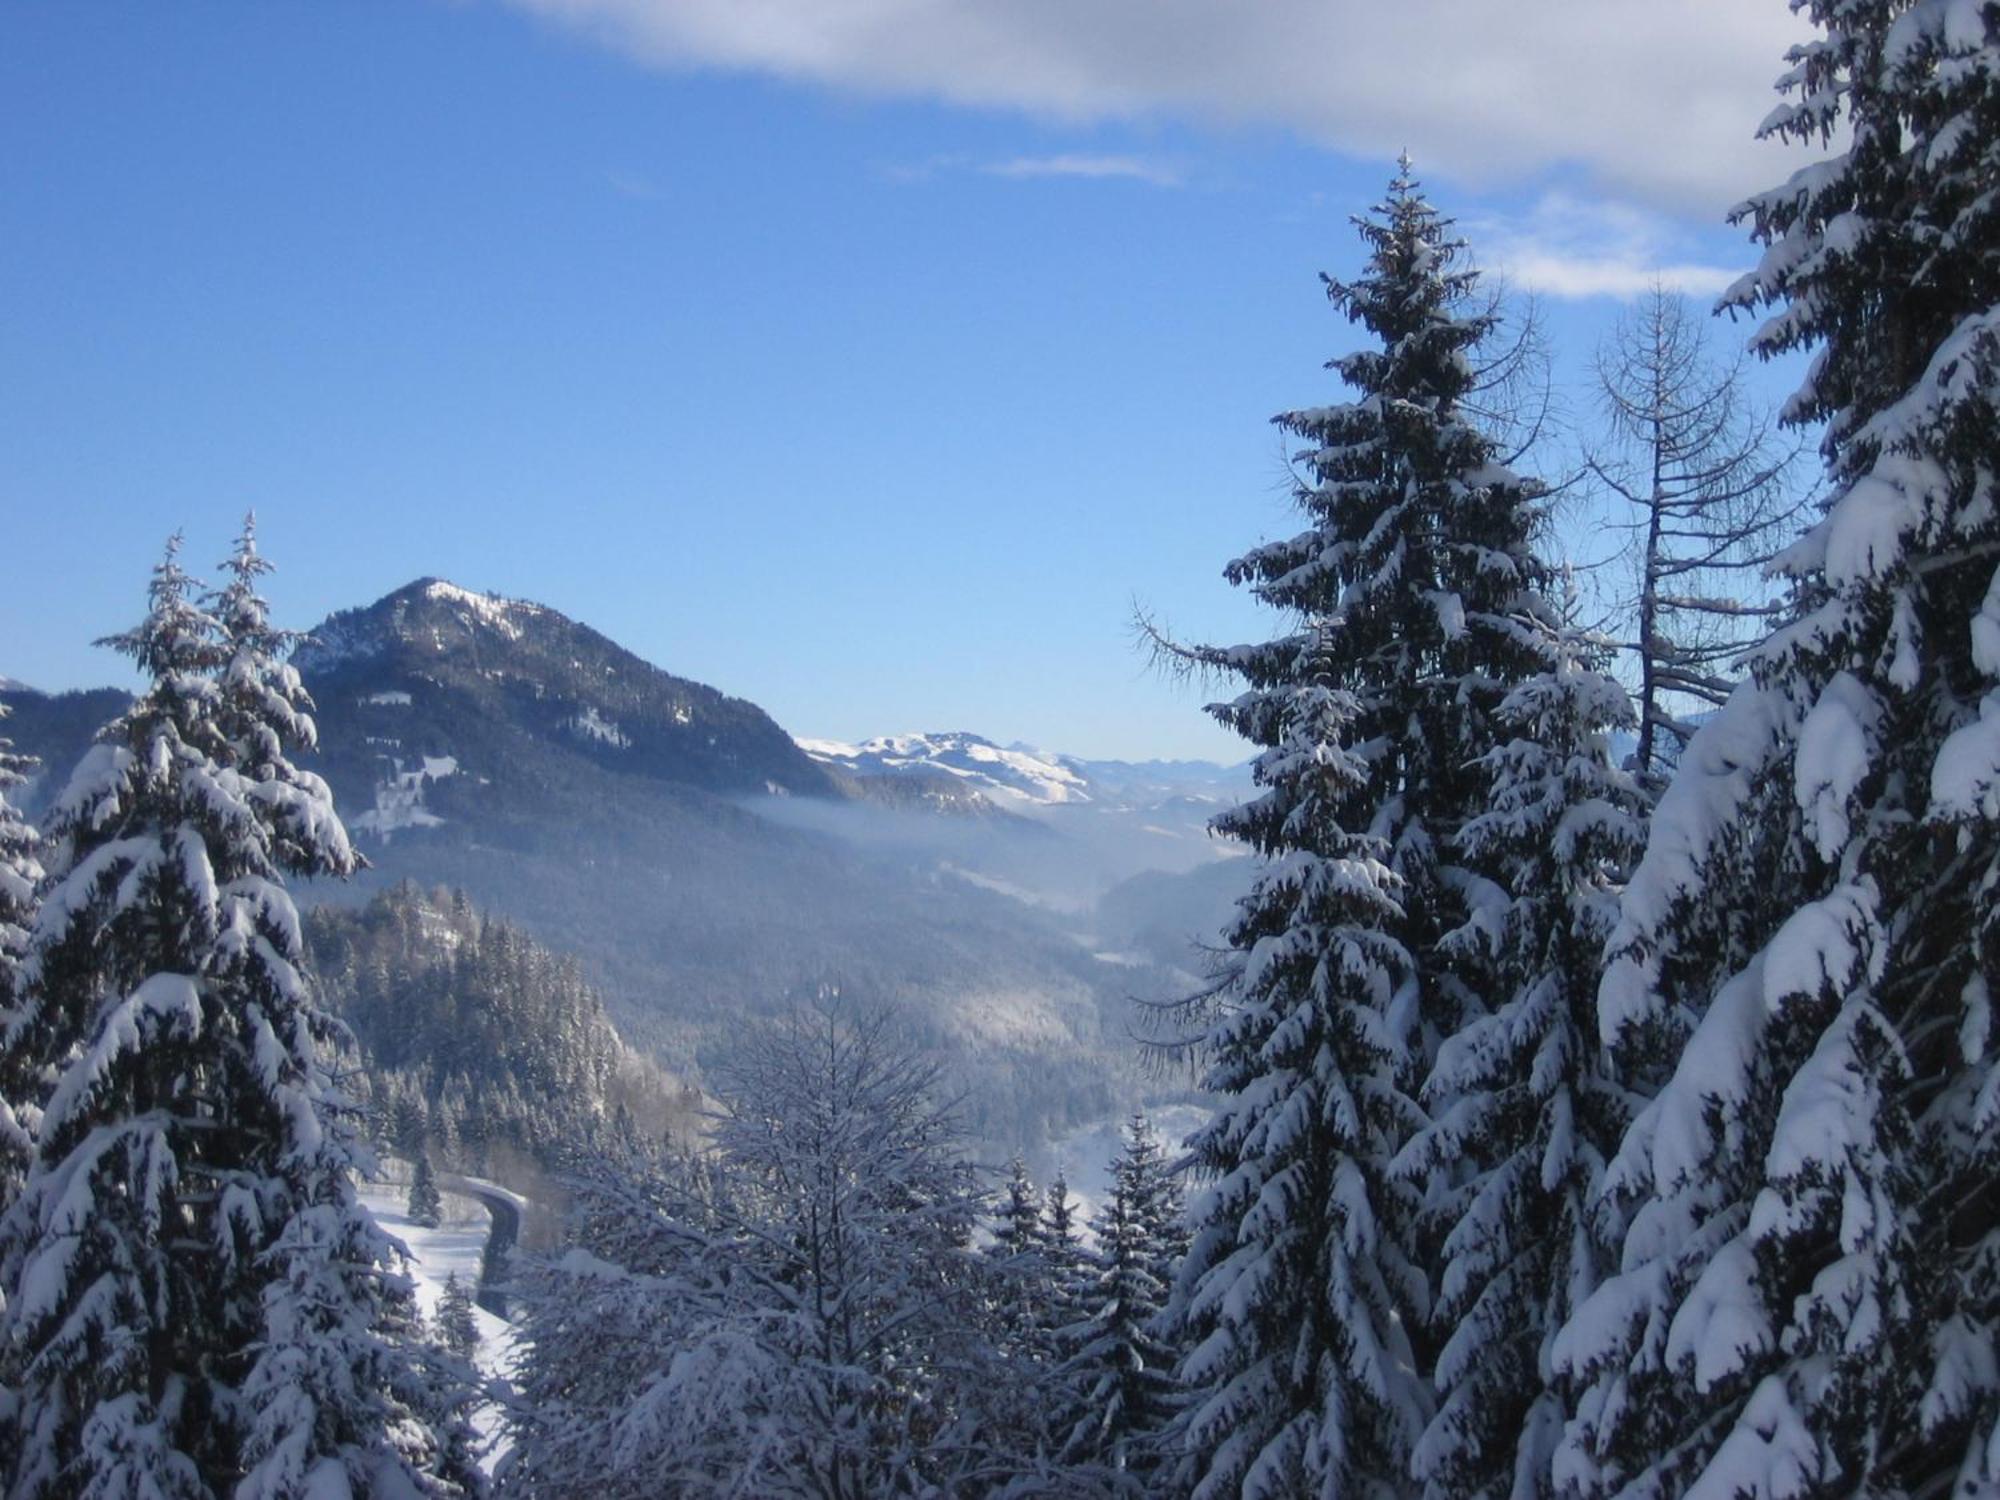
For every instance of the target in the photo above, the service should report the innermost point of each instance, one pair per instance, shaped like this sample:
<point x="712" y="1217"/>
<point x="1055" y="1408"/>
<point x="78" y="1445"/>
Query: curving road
<point x="500" y="1238"/>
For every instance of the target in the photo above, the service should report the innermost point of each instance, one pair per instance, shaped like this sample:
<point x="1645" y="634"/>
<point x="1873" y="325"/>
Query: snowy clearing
<point x="593" y="725"/>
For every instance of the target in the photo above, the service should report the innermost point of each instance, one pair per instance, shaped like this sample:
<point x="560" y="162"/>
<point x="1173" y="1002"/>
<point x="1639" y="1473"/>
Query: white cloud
<point x="920" y="171"/>
<point x="1654" y="100"/>
<point x="630" y="184"/>
<point x="1023" y="168"/>
<point x="1564" y="246"/>
<point x="1137" y="169"/>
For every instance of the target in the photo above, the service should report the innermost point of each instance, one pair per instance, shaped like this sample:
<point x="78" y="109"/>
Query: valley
<point x="703" y="867"/>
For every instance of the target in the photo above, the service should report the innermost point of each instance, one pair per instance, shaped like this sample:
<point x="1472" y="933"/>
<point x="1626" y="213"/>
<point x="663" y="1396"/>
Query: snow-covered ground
<point x="399" y="801"/>
<point x="594" y="725"/>
<point x="454" y="1246"/>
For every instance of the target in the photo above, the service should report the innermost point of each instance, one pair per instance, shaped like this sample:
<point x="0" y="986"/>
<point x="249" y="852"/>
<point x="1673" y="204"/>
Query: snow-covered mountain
<point x="703" y="865"/>
<point x="437" y="682"/>
<point x="664" y="831"/>
<point x="1015" y="777"/>
<point x="1022" y="778"/>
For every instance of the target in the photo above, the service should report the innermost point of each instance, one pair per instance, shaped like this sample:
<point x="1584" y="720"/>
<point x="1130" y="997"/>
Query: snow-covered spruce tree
<point x="457" y="1328"/>
<point x="20" y="877"/>
<point x="1122" y="1369"/>
<point x="195" y="1301"/>
<point x="409" y="1122"/>
<point x="1303" y="1300"/>
<point x="425" y="1207"/>
<point x="1065" y="1264"/>
<point x="1524" y="1109"/>
<point x="338" y="1392"/>
<point x="1016" y="1225"/>
<point x="1710" y="489"/>
<point x="1020" y="1292"/>
<point x="1810" y="1280"/>
<point x="20" y="1088"/>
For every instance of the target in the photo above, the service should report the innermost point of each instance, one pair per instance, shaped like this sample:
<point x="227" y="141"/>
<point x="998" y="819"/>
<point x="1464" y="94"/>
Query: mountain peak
<point x="487" y="605"/>
<point x="436" y="674"/>
<point x="435" y="608"/>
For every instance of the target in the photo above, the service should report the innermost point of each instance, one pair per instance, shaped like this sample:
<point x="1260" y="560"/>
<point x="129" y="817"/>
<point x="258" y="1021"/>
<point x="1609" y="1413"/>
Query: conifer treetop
<point x="1411" y="606"/>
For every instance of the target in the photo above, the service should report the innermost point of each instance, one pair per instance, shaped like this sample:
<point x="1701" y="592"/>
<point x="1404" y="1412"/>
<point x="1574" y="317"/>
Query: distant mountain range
<point x="1110" y="820"/>
<point x="1021" y="778"/>
<point x="703" y="864"/>
<point x="1013" y="778"/>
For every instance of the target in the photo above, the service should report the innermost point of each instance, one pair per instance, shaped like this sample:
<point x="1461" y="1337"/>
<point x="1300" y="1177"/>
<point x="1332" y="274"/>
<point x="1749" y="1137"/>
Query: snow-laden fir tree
<point x="1524" y="1111"/>
<point x="196" y="1304"/>
<point x="1304" y="1298"/>
<point x="20" y="868"/>
<point x="1015" y="1228"/>
<point x="409" y="1120"/>
<point x="426" y="1207"/>
<point x="1120" y="1375"/>
<point x="1021" y="1291"/>
<point x="1807" y="1297"/>
<point x="20" y="877"/>
<point x="338" y="1392"/>
<point x="458" y="1328"/>
<point x="1065" y="1265"/>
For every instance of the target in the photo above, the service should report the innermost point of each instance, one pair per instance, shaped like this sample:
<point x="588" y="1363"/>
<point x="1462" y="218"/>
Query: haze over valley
<point x="705" y="868"/>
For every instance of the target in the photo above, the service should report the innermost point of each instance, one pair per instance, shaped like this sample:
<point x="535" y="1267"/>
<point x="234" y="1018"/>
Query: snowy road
<point x="504" y="1210"/>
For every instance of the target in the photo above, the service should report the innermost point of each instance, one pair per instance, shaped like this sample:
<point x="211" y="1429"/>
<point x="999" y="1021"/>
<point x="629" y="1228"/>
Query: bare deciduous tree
<point x="1712" y="493"/>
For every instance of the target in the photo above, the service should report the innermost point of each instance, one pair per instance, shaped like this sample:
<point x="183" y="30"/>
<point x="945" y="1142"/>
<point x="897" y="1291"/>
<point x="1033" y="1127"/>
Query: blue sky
<point x="857" y="359"/>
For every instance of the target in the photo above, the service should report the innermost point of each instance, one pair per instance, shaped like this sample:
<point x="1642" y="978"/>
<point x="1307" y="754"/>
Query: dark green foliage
<point x="1524" y="1109"/>
<point x="20" y="875"/>
<point x="192" y="1301"/>
<point x="409" y="1127"/>
<point x="1808" y="1294"/>
<point x="1016" y="1229"/>
<point x="1065" y="1266"/>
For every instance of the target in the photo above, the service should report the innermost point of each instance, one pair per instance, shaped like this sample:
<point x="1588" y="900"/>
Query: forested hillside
<point x="477" y="1038"/>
